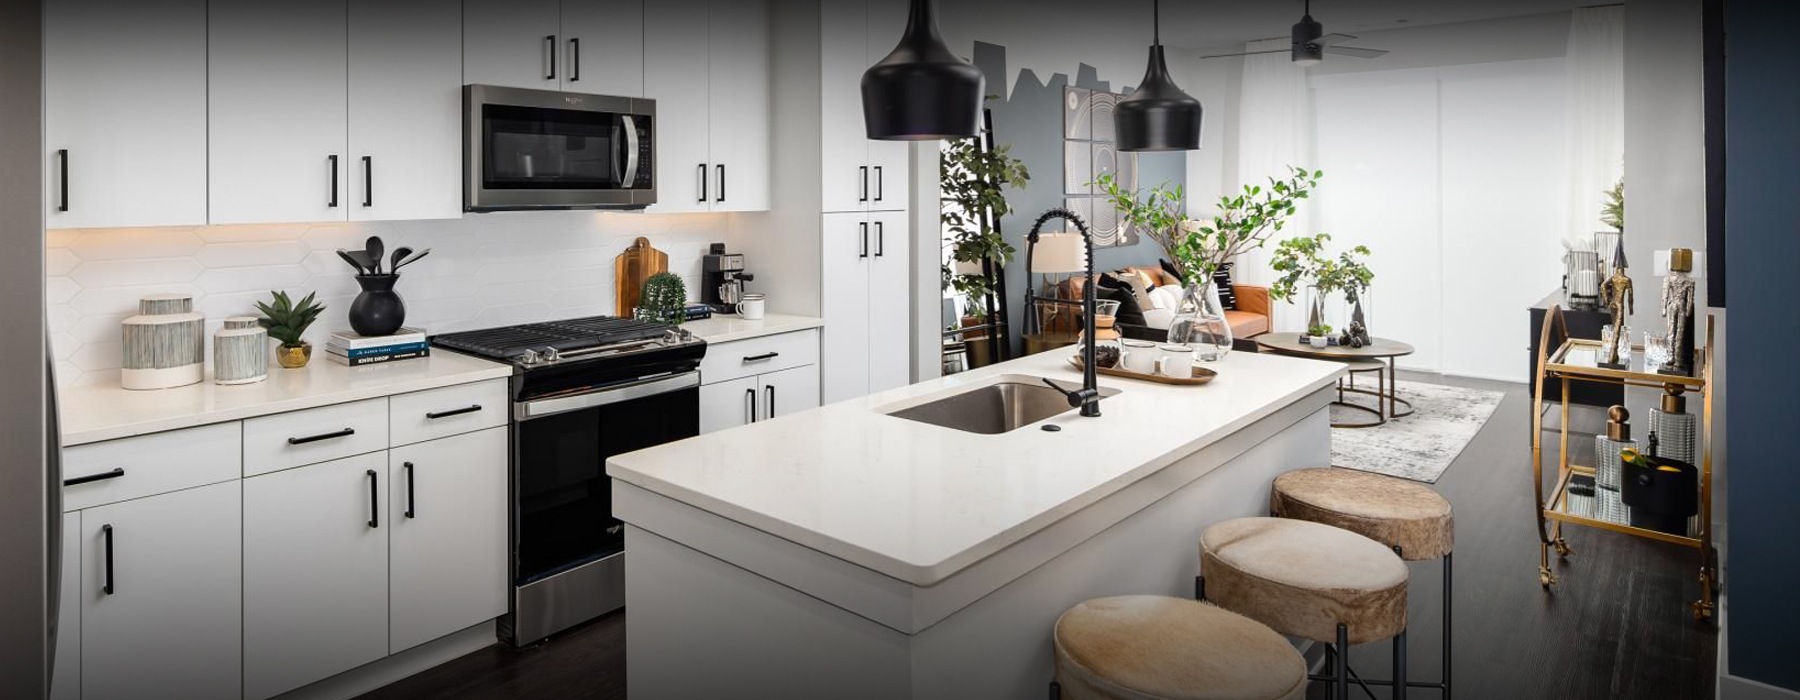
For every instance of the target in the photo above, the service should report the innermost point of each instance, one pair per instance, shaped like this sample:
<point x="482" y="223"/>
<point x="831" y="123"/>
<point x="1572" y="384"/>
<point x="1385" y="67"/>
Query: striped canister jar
<point x="241" y="352"/>
<point x="164" y="345"/>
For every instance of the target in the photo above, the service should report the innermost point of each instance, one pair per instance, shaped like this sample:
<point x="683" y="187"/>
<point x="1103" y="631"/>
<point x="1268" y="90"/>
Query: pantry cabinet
<point x="125" y="113"/>
<point x="706" y="63"/>
<point x="857" y="174"/>
<point x="866" y="344"/>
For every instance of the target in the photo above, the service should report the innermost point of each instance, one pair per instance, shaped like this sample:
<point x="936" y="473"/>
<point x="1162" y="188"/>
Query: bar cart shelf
<point x="1577" y="360"/>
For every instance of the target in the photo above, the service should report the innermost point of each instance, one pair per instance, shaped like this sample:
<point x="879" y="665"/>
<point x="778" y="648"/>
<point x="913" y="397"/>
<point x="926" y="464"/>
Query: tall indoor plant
<point x="1245" y="222"/>
<point x="973" y="179"/>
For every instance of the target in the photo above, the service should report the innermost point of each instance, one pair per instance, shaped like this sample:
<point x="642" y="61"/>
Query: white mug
<point x="751" y="308"/>
<point x="1140" y="357"/>
<point x="1177" y="361"/>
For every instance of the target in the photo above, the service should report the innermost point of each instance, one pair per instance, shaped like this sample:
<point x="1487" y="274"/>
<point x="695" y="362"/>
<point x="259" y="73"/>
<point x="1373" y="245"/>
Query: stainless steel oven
<point x="544" y="149"/>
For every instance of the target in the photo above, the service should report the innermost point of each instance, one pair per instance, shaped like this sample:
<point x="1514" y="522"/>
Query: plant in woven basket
<point x="287" y="321"/>
<point x="664" y="299"/>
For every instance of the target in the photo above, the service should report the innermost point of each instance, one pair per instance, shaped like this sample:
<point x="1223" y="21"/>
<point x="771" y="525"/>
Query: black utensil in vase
<point x="376" y="251"/>
<point x="400" y="254"/>
<point x="413" y="259"/>
<point x="348" y="258"/>
<point x="361" y="258"/>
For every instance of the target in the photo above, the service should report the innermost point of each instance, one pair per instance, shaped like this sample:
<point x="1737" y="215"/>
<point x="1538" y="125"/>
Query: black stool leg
<point x="1055" y="690"/>
<point x="1400" y="666"/>
<point x="1341" y="674"/>
<point x="1447" y="637"/>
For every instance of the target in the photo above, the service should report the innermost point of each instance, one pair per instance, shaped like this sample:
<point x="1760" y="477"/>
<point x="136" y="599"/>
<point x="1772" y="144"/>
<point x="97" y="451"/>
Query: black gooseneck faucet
<point x="1088" y="397"/>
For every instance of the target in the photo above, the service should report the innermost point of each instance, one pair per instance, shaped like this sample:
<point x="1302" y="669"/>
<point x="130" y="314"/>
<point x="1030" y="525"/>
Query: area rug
<point x="1420" y="446"/>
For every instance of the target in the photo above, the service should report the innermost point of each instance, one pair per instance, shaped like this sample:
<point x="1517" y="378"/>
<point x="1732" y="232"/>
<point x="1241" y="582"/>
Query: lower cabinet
<point x="728" y="404"/>
<point x="447" y="545"/>
<point x="65" y="678"/>
<point x="160" y="596"/>
<point x="760" y="397"/>
<point x="315" y="572"/>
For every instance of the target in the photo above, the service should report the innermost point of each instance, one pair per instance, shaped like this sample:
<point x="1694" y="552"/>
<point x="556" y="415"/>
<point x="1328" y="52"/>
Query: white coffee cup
<point x="1140" y="357"/>
<point x="751" y="308"/>
<point x="1176" y="361"/>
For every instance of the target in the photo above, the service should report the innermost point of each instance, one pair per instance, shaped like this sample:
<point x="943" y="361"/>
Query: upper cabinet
<point x="318" y="113"/>
<point x="857" y="174"/>
<point x="125" y="113"/>
<point x="592" y="46"/>
<point x="706" y="63"/>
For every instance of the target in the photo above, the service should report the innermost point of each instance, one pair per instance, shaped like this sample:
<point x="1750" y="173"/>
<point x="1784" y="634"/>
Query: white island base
<point x="718" y="609"/>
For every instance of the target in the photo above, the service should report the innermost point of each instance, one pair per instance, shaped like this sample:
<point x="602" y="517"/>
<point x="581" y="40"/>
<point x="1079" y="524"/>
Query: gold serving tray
<point x="1201" y="376"/>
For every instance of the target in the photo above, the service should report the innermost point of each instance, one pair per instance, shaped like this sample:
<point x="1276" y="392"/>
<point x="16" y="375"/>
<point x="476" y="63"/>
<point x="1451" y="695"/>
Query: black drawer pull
<point x="453" y="412"/>
<point x="374" y="501"/>
<point x="107" y="587"/>
<point x="347" y="432"/>
<point x="91" y="478"/>
<point x="764" y="356"/>
<point x="411" y="493"/>
<point x="333" y="161"/>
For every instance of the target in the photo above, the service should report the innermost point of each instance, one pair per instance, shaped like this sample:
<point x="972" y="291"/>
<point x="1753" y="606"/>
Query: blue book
<point x="379" y="350"/>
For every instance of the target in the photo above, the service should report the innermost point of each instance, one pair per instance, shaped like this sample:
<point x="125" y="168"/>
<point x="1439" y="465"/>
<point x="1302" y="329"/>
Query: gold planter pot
<point x="294" y="357"/>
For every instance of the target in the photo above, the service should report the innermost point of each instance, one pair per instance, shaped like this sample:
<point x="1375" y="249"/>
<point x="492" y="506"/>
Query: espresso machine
<point x="723" y="279"/>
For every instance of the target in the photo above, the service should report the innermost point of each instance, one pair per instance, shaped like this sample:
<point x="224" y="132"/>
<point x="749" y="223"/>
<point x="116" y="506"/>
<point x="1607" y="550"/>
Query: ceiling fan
<point x="1311" y="43"/>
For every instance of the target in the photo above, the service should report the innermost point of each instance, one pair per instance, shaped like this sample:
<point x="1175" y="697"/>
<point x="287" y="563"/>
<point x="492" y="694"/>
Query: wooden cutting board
<point x="631" y="268"/>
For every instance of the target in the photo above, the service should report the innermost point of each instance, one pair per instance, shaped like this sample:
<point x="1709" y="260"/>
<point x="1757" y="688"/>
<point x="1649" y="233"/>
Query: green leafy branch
<point x="1303" y="259"/>
<point x="1245" y="221"/>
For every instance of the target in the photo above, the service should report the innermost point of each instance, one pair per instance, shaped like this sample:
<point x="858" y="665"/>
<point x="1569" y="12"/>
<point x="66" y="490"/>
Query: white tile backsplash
<point x="484" y="270"/>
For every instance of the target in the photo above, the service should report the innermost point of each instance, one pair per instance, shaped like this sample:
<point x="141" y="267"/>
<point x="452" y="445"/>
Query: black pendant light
<point x="1158" y="116"/>
<point x="922" y="91"/>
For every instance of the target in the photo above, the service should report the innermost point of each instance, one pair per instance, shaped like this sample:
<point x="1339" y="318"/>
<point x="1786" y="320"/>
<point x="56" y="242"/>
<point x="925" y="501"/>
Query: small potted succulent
<point x="287" y="322"/>
<point x="664" y="299"/>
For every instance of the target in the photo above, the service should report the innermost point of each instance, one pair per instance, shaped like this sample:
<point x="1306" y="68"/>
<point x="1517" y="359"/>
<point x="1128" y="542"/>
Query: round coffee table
<point x="1381" y="350"/>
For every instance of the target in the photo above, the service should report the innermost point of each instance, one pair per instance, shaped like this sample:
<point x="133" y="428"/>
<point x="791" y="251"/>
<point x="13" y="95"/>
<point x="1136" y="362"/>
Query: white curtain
<point x="1274" y="131"/>
<point x="1596" y="99"/>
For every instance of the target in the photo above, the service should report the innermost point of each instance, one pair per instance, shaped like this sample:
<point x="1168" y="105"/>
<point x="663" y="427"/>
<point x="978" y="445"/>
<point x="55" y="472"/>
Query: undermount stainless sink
<point x="1009" y="404"/>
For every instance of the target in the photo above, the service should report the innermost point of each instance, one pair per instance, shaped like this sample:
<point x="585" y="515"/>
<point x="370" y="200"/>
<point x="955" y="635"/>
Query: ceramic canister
<point x="164" y="345"/>
<point x="241" y="352"/>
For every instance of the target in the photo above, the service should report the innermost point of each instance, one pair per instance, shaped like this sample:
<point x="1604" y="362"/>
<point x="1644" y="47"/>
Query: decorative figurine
<point x="1678" y="310"/>
<point x="1620" y="301"/>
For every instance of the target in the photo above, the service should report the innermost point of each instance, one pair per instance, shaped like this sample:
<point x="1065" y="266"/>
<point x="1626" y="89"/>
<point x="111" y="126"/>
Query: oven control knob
<point x="530" y="357"/>
<point x="550" y="354"/>
<point x="677" y="336"/>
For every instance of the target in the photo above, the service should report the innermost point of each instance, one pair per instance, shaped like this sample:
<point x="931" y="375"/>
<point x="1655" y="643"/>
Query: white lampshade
<point x="1059" y="252"/>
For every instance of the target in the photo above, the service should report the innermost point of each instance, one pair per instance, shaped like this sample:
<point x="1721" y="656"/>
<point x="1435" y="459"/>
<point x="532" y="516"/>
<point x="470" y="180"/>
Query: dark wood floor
<point x="1617" y="626"/>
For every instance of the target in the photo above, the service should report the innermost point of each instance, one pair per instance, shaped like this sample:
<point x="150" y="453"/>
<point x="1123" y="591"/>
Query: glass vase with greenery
<point x="973" y="180"/>
<point x="1303" y="260"/>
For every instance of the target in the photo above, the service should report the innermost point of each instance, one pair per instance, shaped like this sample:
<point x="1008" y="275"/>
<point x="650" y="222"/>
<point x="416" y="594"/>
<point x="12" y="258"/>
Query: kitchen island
<point x="846" y="552"/>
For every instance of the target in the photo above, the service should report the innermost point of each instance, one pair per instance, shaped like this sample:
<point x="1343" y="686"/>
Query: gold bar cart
<point x="1578" y="360"/>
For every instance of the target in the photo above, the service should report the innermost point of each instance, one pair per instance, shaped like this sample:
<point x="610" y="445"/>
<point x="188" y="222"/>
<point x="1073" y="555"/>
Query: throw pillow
<point x="1169" y="268"/>
<point x="1112" y="288"/>
<point x="1227" y="294"/>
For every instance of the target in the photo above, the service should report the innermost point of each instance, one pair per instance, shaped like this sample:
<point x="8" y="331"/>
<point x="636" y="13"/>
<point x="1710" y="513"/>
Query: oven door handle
<point x="540" y="408"/>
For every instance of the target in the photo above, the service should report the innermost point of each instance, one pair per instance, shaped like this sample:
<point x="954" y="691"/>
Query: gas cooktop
<point x="553" y="343"/>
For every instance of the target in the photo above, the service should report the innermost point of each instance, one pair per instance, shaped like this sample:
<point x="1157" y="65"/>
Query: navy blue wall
<point x="1762" y="223"/>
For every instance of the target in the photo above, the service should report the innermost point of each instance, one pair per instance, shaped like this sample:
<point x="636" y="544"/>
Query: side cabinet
<point x="745" y="381"/>
<point x="447" y="545"/>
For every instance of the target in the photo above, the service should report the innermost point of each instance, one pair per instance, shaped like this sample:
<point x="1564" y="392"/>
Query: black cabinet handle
<point x="880" y="239"/>
<point x="333" y="161"/>
<point x="702" y="182"/>
<point x="62" y="157"/>
<point x="764" y="356"/>
<point x="114" y="474"/>
<point x="770" y="391"/>
<point x="575" y="59"/>
<point x="752" y="394"/>
<point x="368" y="181"/>
<point x="550" y="50"/>
<point x="864" y="192"/>
<point x="863" y="250"/>
<point x="347" y="432"/>
<point x="879" y="188"/>
<point x="374" y="501"/>
<point x="411" y="493"/>
<point x="453" y="412"/>
<point x="721" y="183"/>
<point x="107" y="587"/>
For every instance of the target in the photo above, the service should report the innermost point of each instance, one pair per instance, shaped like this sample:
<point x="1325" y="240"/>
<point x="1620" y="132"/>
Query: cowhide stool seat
<point x="1145" y="647"/>
<point x="1309" y="580"/>
<point x="1405" y="515"/>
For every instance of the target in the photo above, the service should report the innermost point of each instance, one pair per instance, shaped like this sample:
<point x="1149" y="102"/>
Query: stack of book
<point x="347" y="348"/>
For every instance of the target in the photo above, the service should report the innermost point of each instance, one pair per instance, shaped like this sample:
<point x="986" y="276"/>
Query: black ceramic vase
<point x="378" y="310"/>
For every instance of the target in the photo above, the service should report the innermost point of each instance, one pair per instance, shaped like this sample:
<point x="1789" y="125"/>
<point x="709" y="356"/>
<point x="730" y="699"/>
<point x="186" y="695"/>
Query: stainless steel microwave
<point x="543" y="149"/>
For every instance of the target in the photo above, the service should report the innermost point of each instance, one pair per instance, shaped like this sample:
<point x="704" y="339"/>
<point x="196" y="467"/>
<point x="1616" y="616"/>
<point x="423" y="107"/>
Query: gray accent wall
<point x="24" y="646"/>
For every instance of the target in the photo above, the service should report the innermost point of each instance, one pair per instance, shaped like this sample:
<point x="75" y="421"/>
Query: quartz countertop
<point x="918" y="502"/>
<point x="106" y="412"/>
<point x="724" y="328"/>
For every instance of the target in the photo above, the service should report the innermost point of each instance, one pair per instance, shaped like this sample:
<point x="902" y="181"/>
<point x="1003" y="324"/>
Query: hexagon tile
<point x="484" y="270"/>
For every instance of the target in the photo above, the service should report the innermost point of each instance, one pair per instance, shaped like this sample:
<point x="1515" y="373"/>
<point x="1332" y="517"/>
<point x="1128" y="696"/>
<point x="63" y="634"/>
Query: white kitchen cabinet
<point x="161" y="596"/>
<point x="590" y="46"/>
<point x="315" y="572"/>
<point x="729" y="404"/>
<point x="706" y="63"/>
<point x="65" y="678"/>
<point x="865" y="304"/>
<point x="447" y="546"/>
<point x="276" y="111"/>
<point x="125" y="113"/>
<point x="788" y="391"/>
<point x="857" y="174"/>
<point x="405" y="110"/>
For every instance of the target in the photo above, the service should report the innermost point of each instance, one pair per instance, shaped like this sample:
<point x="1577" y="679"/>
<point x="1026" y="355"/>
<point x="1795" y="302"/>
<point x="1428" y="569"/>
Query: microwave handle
<point x="628" y="179"/>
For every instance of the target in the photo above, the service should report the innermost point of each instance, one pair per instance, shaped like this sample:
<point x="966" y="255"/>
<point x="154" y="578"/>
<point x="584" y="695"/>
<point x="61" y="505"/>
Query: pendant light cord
<point x="1156" y="22"/>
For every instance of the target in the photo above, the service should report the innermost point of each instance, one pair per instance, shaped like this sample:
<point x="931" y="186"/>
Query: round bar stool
<point x="1308" y="580"/>
<point x="1407" y="516"/>
<point x="1145" y="647"/>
